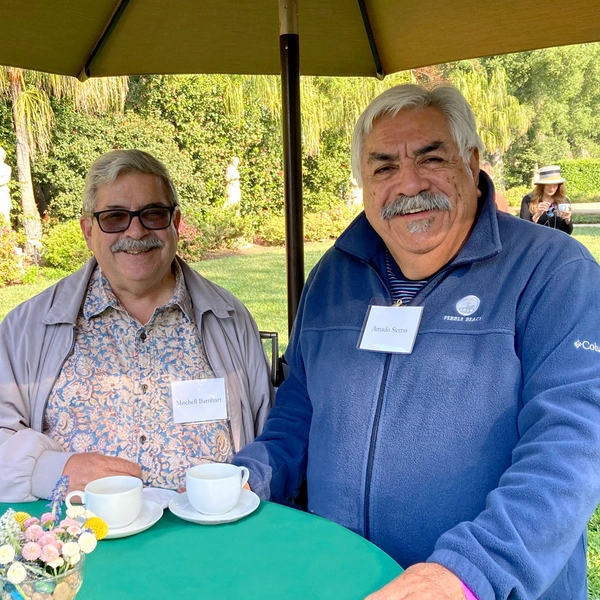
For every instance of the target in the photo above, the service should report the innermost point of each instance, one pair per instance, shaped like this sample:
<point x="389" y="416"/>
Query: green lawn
<point x="258" y="280"/>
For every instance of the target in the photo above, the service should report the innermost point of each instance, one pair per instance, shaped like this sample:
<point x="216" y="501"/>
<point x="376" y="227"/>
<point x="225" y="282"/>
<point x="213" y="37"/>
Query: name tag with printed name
<point x="391" y="328"/>
<point x="199" y="400"/>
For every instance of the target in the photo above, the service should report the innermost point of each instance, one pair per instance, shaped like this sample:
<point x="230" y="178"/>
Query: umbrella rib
<point x="114" y="21"/>
<point x="369" y="31"/>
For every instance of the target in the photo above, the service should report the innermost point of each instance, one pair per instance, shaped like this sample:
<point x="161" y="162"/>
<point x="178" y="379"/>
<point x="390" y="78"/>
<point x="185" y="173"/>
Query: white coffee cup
<point x="563" y="207"/>
<point x="215" y="488"/>
<point x="116" y="499"/>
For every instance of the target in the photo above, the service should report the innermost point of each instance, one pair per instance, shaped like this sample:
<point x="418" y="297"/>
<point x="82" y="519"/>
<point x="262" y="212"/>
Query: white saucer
<point x="181" y="507"/>
<point x="151" y="512"/>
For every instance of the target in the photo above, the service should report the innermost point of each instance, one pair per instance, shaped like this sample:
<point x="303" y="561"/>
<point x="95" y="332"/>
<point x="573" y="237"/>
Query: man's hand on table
<point x="423" y="581"/>
<point x="87" y="466"/>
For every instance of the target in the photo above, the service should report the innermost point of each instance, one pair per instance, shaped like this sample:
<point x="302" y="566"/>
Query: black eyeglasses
<point x="118" y="220"/>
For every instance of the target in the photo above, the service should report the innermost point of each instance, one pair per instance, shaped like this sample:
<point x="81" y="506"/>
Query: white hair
<point x="109" y="166"/>
<point x="444" y="97"/>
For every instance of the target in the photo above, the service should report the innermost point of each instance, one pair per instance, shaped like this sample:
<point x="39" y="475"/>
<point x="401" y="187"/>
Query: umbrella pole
<point x="292" y="153"/>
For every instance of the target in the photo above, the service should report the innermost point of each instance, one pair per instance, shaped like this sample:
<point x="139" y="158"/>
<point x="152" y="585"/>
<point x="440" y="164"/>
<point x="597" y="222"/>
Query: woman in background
<point x="548" y="203"/>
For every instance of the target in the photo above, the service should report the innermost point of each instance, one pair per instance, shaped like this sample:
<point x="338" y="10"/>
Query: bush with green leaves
<point x="271" y="230"/>
<point x="204" y="129"/>
<point x="318" y="226"/>
<point x="11" y="268"/>
<point x="64" y="246"/>
<point x="326" y="175"/>
<point x="224" y="228"/>
<point x="32" y="275"/>
<point x="79" y="139"/>
<point x="193" y="244"/>
<point x="583" y="178"/>
<point x="328" y="225"/>
<point x="215" y="229"/>
<point x="514" y="196"/>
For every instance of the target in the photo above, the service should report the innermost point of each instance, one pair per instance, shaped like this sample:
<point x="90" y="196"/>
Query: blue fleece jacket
<point x="481" y="449"/>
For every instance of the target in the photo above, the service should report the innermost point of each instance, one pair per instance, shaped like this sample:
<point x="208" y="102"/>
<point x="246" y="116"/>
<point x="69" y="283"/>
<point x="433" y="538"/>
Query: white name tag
<point x="391" y="328"/>
<point x="199" y="400"/>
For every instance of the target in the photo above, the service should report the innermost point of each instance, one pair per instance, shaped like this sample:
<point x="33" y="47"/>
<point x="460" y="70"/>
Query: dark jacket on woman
<point x="553" y="220"/>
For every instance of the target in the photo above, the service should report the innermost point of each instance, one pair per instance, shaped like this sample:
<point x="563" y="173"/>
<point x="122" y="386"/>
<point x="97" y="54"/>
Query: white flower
<point x="75" y="558"/>
<point x="70" y="549"/>
<point x="7" y="554"/>
<point x="87" y="542"/>
<point x="89" y="514"/>
<point x="16" y="573"/>
<point x="75" y="511"/>
<point x="55" y="564"/>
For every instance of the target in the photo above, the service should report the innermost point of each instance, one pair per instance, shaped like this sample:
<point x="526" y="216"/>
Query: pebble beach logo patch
<point x="468" y="305"/>
<point x="587" y="345"/>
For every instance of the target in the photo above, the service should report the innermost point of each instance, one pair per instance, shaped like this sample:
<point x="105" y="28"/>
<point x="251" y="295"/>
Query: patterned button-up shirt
<point x="113" y="394"/>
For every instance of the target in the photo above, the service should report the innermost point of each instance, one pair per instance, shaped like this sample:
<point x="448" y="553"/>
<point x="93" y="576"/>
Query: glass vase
<point x="49" y="587"/>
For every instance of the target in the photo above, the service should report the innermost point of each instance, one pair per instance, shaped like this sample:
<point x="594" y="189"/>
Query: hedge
<point x="583" y="178"/>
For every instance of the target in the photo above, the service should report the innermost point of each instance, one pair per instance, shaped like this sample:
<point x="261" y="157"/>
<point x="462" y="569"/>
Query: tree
<point x="501" y="119"/>
<point x="561" y="88"/>
<point x="29" y="93"/>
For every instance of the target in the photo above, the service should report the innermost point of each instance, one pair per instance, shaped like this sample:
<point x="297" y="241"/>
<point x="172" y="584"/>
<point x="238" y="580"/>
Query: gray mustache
<point x="130" y="245"/>
<point x="423" y="201"/>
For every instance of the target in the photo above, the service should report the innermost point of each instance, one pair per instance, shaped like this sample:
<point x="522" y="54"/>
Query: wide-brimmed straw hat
<point x="549" y="175"/>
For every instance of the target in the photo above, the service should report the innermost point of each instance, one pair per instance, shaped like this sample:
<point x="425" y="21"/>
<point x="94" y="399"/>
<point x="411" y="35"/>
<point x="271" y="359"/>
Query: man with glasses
<point x="135" y="364"/>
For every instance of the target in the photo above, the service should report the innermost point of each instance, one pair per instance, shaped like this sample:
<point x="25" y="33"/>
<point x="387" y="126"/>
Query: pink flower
<point x="68" y="522"/>
<point x="47" y="518"/>
<point x="31" y="551"/>
<point x="74" y="529"/>
<point x="31" y="521"/>
<point x="49" y="553"/>
<point x="33" y="533"/>
<point x="49" y="537"/>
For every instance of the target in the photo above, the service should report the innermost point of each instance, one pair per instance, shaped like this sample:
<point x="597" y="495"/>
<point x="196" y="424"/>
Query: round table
<point x="275" y="553"/>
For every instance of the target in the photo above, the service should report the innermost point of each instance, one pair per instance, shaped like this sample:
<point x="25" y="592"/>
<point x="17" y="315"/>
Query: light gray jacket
<point x="37" y="337"/>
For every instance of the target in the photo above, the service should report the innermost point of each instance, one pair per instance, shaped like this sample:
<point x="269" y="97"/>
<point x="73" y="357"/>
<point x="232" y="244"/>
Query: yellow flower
<point x="98" y="527"/>
<point x="21" y="517"/>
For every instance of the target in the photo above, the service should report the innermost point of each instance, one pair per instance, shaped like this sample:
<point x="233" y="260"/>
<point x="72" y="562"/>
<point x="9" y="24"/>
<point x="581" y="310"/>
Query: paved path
<point x="586" y="208"/>
<point x="579" y="208"/>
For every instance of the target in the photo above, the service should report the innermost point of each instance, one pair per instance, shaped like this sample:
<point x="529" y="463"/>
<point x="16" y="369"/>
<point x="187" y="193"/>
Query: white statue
<point x="232" y="179"/>
<point x="4" y="191"/>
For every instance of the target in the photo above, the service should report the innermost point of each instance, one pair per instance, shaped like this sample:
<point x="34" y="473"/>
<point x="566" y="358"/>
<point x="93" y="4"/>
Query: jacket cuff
<point x="258" y="479"/>
<point x="469" y="575"/>
<point x="48" y="469"/>
<point x="469" y="595"/>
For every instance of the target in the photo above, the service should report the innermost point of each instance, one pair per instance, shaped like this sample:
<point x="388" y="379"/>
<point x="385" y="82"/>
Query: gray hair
<point x="109" y="166"/>
<point x="444" y="97"/>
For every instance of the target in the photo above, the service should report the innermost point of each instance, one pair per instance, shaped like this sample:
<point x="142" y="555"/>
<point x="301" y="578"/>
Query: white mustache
<point x="404" y="205"/>
<point x="143" y="245"/>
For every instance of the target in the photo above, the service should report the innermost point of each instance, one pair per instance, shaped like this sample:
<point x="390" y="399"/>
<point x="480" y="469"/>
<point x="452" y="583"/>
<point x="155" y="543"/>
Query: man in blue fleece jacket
<point x="458" y="425"/>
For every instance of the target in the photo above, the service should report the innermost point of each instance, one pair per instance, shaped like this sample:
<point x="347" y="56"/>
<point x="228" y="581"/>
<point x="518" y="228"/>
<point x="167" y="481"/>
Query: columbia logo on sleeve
<point x="587" y="345"/>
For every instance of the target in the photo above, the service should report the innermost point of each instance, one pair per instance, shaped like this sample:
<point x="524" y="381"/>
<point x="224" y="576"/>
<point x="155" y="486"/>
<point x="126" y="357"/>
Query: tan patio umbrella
<point x="93" y="38"/>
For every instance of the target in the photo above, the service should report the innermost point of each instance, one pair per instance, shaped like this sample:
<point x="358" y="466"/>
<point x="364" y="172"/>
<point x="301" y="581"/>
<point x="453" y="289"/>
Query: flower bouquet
<point x="43" y="558"/>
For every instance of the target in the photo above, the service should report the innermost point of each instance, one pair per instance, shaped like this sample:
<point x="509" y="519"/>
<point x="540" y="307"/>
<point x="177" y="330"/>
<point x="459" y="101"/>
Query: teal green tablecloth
<point x="275" y="553"/>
